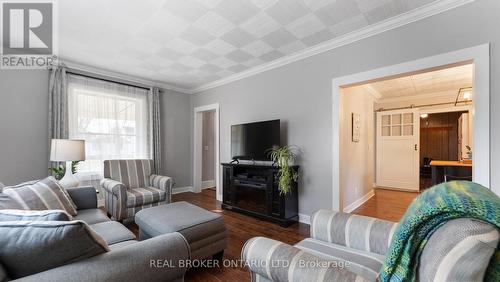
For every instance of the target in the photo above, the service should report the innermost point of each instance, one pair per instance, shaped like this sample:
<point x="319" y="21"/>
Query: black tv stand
<point x="253" y="190"/>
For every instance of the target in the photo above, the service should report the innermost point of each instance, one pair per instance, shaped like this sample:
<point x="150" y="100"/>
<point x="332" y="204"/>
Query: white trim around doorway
<point x="479" y="55"/>
<point x="197" y="148"/>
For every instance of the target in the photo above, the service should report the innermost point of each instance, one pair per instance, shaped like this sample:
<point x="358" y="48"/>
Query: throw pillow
<point x="44" y="194"/>
<point x="51" y="178"/>
<point x="24" y="215"/>
<point x="6" y="202"/>
<point x="30" y="247"/>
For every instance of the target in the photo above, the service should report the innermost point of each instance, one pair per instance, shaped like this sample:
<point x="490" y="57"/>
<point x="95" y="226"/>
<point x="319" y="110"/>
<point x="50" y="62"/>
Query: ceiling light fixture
<point x="424" y="115"/>
<point x="464" y="95"/>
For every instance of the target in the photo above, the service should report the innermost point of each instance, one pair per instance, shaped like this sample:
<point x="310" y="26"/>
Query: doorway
<point x="395" y="130"/>
<point x="206" y="173"/>
<point x="446" y="134"/>
<point x="208" y="150"/>
<point x="477" y="56"/>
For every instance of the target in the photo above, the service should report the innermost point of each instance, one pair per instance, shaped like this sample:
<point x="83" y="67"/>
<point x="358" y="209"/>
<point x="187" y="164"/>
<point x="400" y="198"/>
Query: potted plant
<point x="59" y="171"/>
<point x="283" y="156"/>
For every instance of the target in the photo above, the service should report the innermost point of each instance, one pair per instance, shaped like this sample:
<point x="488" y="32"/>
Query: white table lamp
<point x="64" y="150"/>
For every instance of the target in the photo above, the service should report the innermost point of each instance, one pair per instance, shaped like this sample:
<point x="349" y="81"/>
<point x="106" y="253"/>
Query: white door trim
<point x="480" y="55"/>
<point x="197" y="144"/>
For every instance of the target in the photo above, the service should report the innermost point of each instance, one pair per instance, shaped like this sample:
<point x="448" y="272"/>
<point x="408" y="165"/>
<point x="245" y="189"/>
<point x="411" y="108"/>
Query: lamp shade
<point x="64" y="150"/>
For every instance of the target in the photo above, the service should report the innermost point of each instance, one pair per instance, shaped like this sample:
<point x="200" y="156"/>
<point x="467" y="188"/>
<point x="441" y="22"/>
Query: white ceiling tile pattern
<point x="192" y="42"/>
<point x="444" y="80"/>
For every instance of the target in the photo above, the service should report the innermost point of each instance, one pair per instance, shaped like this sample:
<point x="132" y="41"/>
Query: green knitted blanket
<point x="427" y="213"/>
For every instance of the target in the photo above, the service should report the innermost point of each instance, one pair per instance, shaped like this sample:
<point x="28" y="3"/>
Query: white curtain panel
<point x="113" y="119"/>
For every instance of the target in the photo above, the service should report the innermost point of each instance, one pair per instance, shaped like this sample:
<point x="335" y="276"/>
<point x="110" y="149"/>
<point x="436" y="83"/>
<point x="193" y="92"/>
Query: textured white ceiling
<point x="188" y="43"/>
<point x="444" y="80"/>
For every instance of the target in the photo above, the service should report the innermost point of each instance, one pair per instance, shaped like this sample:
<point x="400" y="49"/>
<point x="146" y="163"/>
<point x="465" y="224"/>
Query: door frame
<point x="197" y="148"/>
<point x="479" y="55"/>
<point x="415" y="151"/>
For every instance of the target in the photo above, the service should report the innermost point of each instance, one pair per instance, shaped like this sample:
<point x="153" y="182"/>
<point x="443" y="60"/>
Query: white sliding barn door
<point x="398" y="145"/>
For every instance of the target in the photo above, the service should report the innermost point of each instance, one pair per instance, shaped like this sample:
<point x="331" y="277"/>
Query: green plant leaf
<point x="283" y="156"/>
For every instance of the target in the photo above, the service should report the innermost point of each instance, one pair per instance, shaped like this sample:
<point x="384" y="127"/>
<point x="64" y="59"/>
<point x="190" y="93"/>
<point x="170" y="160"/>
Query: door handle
<point x="416" y="147"/>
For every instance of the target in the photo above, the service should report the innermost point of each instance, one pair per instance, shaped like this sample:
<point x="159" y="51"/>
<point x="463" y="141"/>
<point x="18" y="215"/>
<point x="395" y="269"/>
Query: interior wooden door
<point x="397" y="158"/>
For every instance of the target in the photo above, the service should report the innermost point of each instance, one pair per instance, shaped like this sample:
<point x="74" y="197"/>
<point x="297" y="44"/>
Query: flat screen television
<point x="250" y="141"/>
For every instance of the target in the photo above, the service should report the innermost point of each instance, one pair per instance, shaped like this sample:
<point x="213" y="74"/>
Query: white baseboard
<point x="356" y="204"/>
<point x="177" y="190"/>
<point x="207" y="184"/>
<point x="304" y="218"/>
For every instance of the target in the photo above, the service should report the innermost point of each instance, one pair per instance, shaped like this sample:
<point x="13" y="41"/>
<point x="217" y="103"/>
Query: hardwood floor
<point x="386" y="204"/>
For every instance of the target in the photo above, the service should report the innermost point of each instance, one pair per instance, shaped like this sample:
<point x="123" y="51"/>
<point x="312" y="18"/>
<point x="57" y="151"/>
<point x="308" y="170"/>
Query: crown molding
<point x="121" y="76"/>
<point x="432" y="95"/>
<point x="423" y="12"/>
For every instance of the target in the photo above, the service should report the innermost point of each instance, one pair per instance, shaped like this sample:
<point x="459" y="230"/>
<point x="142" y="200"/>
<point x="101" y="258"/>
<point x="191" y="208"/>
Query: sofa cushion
<point x="24" y="215"/>
<point x="121" y="245"/>
<point x="29" y="247"/>
<point x="365" y="264"/>
<point x="143" y="196"/>
<point x="113" y="232"/>
<point x="84" y="197"/>
<point x="460" y="250"/>
<point x="132" y="173"/>
<point x="44" y="194"/>
<point x="92" y="216"/>
<point x="7" y="202"/>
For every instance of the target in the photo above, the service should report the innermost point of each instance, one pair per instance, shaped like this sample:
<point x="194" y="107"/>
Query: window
<point x="397" y="124"/>
<point x="111" y="118"/>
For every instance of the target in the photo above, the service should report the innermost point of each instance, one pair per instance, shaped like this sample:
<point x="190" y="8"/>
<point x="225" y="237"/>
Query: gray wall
<point x="24" y="137"/>
<point x="176" y="136"/>
<point x="300" y="93"/>
<point x="23" y="125"/>
<point x="357" y="172"/>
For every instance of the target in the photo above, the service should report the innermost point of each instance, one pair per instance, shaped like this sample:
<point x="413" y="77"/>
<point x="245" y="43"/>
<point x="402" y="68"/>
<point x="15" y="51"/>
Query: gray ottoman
<point x="204" y="230"/>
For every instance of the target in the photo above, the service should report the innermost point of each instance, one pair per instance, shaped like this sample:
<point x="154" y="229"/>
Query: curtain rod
<point x="106" y="79"/>
<point x="422" y="106"/>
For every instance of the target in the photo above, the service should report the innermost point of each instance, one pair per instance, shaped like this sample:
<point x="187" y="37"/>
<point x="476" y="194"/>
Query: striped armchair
<point x="130" y="186"/>
<point x="347" y="247"/>
<point x="342" y="247"/>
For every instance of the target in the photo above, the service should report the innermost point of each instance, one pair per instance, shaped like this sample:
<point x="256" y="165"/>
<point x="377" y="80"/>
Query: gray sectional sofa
<point x="127" y="260"/>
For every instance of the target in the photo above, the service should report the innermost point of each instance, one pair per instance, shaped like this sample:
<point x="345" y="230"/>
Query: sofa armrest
<point x="345" y="229"/>
<point x="164" y="183"/>
<point x="277" y="261"/>
<point x="155" y="259"/>
<point x="83" y="197"/>
<point x="115" y="194"/>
